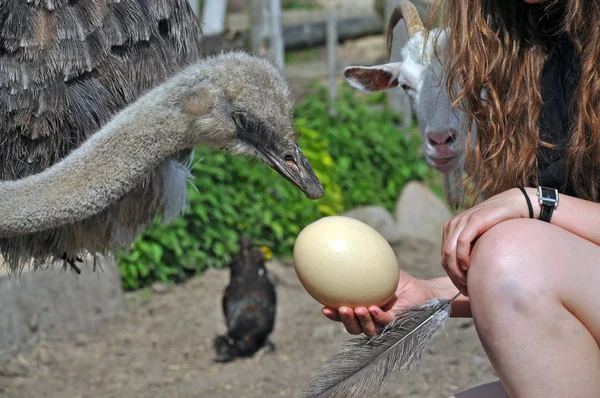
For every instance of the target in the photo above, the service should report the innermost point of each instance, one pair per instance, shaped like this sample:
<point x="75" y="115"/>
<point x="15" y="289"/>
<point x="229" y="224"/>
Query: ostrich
<point x="419" y="74"/>
<point x="103" y="102"/>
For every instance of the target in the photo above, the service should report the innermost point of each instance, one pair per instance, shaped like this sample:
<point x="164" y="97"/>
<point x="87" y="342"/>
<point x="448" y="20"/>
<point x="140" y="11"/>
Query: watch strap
<point x="548" y="198"/>
<point x="546" y="212"/>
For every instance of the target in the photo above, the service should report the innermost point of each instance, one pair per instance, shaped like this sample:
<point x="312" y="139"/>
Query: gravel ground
<point x="162" y="347"/>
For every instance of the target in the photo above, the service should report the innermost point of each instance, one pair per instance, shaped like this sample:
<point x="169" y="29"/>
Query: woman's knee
<point x="506" y="261"/>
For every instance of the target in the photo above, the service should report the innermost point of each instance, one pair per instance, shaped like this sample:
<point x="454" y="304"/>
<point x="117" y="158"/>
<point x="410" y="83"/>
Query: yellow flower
<point x="268" y="253"/>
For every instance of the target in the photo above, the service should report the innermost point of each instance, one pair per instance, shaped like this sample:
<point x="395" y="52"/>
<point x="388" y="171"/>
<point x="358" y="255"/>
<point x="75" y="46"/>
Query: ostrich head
<point x="245" y="105"/>
<point x="126" y="173"/>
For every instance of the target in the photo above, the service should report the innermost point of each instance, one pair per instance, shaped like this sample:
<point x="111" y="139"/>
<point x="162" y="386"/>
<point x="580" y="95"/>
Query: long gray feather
<point x="365" y="363"/>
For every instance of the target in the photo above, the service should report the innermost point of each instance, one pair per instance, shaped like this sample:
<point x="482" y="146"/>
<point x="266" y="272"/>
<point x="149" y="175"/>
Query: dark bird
<point x="101" y="105"/>
<point x="249" y="306"/>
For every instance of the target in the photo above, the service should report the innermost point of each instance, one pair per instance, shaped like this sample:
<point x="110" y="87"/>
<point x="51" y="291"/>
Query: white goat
<point x="419" y="74"/>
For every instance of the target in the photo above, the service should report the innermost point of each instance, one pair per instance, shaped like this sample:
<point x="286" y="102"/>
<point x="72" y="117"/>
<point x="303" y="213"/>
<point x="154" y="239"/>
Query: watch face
<point x="548" y="193"/>
<point x="548" y="196"/>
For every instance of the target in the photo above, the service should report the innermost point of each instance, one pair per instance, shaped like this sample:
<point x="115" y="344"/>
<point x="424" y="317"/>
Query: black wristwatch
<point x="548" y="198"/>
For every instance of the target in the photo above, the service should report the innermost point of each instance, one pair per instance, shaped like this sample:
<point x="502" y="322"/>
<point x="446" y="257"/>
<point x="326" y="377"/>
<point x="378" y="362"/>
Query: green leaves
<point x="374" y="158"/>
<point x="360" y="156"/>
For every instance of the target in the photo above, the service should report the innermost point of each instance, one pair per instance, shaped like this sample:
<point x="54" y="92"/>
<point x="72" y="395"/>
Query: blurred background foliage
<point x="359" y="154"/>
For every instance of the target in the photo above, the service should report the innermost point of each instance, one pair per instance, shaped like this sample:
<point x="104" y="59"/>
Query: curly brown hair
<point x="501" y="46"/>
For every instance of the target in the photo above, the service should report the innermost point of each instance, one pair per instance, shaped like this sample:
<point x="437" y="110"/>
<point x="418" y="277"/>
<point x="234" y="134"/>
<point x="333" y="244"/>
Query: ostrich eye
<point x="246" y="123"/>
<point x="251" y="129"/>
<point x="240" y="120"/>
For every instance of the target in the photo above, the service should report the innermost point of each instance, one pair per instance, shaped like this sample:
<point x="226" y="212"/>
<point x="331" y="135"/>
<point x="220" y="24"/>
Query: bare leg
<point x="535" y="297"/>
<point x="489" y="390"/>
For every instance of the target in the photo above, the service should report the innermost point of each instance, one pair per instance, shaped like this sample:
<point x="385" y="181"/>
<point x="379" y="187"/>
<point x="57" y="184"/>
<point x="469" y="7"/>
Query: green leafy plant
<point x="359" y="155"/>
<point x="300" y="4"/>
<point x="374" y="158"/>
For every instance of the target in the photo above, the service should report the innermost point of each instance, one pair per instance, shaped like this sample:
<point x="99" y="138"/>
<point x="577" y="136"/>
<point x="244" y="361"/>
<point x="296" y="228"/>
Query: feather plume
<point x="365" y="363"/>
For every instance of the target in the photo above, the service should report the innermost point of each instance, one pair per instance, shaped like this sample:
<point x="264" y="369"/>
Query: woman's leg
<point x="534" y="291"/>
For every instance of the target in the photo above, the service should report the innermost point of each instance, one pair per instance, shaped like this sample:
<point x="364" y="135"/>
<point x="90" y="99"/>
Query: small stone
<point x="41" y="355"/>
<point x="18" y="367"/>
<point x="34" y="321"/>
<point x="159" y="288"/>
<point x="80" y="340"/>
<point x="466" y="324"/>
<point x="479" y="360"/>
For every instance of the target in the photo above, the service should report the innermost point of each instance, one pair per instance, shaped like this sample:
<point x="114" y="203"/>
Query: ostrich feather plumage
<point x="364" y="364"/>
<point x="101" y="105"/>
<point x="66" y="67"/>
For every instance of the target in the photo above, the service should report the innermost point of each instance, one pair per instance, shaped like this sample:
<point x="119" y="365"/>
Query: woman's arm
<point x="443" y="288"/>
<point x="578" y="216"/>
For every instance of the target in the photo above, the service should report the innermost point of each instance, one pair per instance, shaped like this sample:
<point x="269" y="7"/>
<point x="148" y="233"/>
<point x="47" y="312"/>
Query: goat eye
<point x="405" y="87"/>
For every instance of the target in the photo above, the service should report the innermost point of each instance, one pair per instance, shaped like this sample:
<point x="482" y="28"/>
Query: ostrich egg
<point x="341" y="261"/>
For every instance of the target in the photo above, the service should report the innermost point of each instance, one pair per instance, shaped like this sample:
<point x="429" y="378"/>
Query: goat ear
<point x="198" y="100"/>
<point x="373" y="78"/>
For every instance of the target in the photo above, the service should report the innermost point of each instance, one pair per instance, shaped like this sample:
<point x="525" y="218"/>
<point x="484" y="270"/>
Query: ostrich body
<point x="249" y="306"/>
<point x="72" y="190"/>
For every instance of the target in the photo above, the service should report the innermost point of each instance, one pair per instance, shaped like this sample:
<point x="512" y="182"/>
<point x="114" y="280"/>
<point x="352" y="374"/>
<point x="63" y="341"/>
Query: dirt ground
<point x="162" y="347"/>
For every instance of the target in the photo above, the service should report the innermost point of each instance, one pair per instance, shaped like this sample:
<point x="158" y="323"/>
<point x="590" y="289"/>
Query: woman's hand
<point x="410" y="291"/>
<point x="460" y="232"/>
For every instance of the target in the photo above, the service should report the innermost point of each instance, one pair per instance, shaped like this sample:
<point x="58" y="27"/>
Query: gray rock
<point x="54" y="304"/>
<point x="420" y="213"/>
<point x="379" y="219"/>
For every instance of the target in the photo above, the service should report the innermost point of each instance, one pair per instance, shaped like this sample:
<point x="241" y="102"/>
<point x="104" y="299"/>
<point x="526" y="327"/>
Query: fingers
<point x="452" y="231"/>
<point x="381" y="317"/>
<point x="359" y="320"/>
<point x="350" y="321"/>
<point x="366" y="321"/>
<point x="331" y="314"/>
<point x="465" y="241"/>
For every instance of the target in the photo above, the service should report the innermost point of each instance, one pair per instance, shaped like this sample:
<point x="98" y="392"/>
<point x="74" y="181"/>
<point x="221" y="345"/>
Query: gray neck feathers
<point x="102" y="169"/>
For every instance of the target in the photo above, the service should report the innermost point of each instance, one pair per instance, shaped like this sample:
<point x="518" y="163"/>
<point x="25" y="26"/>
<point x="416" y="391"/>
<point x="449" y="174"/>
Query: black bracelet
<point x="528" y="202"/>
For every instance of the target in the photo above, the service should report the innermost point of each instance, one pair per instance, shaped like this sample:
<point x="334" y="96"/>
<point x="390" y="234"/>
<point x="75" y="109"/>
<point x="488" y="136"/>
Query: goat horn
<point x="405" y="9"/>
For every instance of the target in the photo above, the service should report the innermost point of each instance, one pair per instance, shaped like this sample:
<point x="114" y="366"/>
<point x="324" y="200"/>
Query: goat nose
<point x="441" y="137"/>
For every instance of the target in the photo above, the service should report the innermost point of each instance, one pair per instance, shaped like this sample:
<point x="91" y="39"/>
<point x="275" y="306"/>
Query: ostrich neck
<point x="98" y="173"/>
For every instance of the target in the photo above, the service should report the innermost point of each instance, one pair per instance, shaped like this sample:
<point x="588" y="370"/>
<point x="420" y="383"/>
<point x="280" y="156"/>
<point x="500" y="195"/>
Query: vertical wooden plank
<point x="258" y="25"/>
<point x="332" y="39"/>
<point x="213" y="16"/>
<point x="276" y="47"/>
<point x="397" y="99"/>
<point x="266" y="30"/>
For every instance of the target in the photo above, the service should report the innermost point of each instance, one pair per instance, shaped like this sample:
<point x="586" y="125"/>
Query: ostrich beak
<point x="294" y="167"/>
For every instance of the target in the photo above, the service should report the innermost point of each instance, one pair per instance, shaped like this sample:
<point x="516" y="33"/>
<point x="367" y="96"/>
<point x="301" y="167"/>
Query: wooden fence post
<point x="332" y="39"/>
<point x="213" y="16"/>
<point x="276" y="47"/>
<point x="266" y="30"/>
<point x="258" y="26"/>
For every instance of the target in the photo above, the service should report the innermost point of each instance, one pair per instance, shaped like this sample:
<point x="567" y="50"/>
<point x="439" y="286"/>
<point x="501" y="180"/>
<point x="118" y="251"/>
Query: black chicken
<point x="249" y="304"/>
